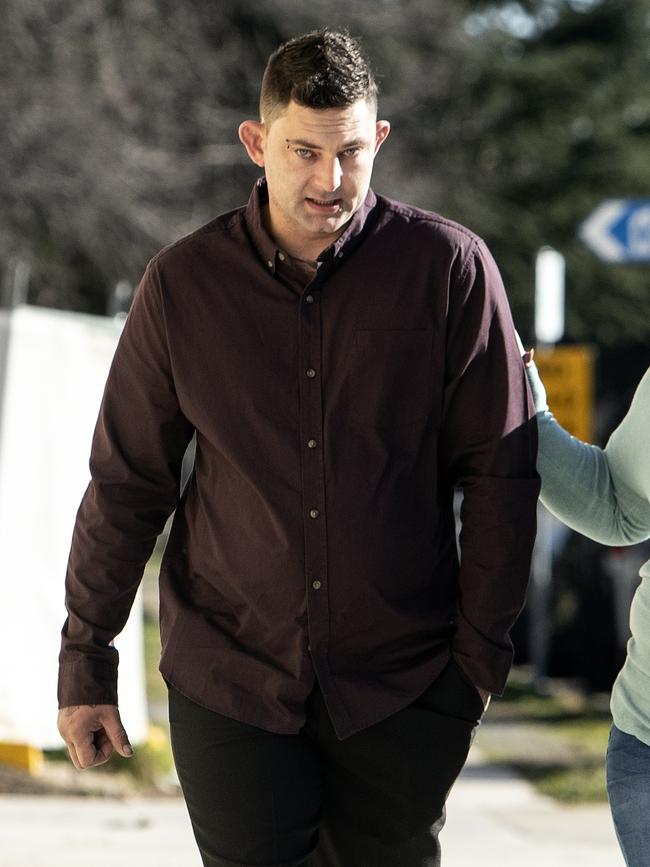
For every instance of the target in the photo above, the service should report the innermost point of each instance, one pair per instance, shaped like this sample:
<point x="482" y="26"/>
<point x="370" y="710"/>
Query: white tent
<point x="53" y="366"/>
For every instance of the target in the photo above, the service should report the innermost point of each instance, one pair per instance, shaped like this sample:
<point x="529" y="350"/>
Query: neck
<point x="307" y="249"/>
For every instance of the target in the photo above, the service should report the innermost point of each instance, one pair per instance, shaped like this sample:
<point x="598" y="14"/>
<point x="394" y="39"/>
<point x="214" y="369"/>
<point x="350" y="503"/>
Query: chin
<point x="332" y="224"/>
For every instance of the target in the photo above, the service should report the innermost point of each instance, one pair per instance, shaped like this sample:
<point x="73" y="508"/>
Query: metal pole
<point x="549" y="328"/>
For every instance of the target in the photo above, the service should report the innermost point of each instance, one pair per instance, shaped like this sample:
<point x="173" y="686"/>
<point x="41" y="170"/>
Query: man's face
<point x="318" y="164"/>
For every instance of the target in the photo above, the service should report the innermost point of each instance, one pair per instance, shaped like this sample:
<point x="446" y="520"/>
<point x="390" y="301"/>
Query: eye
<point x="304" y="153"/>
<point x="352" y="152"/>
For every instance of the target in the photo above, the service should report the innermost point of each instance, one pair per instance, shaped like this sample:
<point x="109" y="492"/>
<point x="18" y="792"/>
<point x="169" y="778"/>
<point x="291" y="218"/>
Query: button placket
<point x="313" y="476"/>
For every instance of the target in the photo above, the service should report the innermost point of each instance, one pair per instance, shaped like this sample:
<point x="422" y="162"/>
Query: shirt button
<point x="316" y="584"/>
<point x="309" y="299"/>
<point x="281" y="256"/>
<point x="270" y="263"/>
<point x="312" y="444"/>
<point x="311" y="373"/>
<point x="314" y="513"/>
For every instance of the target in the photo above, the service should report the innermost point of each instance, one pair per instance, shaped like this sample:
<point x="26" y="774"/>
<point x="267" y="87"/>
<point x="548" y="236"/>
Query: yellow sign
<point x="568" y="375"/>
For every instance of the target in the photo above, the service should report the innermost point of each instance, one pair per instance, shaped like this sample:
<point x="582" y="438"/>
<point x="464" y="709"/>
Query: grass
<point x="557" y="740"/>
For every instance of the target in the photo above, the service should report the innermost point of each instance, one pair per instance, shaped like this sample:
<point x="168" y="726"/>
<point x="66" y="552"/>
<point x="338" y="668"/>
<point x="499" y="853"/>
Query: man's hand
<point x="92" y="732"/>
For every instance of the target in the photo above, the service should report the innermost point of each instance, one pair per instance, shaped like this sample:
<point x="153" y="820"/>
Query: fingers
<point x="92" y="733"/>
<point x="72" y="723"/>
<point x="519" y="343"/>
<point x="96" y="751"/>
<point x="115" y="731"/>
<point x="72" y="752"/>
<point x="103" y="746"/>
<point x="527" y="355"/>
<point x="87" y="753"/>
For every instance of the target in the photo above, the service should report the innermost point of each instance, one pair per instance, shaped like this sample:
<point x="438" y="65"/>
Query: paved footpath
<point x="494" y="820"/>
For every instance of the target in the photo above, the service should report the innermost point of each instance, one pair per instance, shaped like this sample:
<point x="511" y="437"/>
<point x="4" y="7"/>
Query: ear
<point x="251" y="135"/>
<point x="382" y="128"/>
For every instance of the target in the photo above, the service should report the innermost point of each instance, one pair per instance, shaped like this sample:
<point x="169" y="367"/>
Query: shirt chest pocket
<point x="391" y="376"/>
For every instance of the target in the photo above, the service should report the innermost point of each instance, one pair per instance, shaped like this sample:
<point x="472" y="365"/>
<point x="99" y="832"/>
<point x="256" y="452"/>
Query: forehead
<point x="326" y="125"/>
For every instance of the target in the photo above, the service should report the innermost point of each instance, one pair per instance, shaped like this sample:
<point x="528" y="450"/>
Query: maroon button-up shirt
<point x="335" y="408"/>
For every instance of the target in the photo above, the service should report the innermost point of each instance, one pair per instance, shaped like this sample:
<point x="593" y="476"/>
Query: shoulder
<point x="207" y="238"/>
<point x="442" y="246"/>
<point x="418" y="222"/>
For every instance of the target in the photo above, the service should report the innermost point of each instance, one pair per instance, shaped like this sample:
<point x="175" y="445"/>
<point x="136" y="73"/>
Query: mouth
<point x="325" y="206"/>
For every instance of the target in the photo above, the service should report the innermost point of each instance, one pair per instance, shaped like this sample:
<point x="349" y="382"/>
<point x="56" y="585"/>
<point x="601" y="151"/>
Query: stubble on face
<point x="318" y="164"/>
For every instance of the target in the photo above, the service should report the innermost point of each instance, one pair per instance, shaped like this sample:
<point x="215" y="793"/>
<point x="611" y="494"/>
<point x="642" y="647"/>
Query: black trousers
<point x="375" y="799"/>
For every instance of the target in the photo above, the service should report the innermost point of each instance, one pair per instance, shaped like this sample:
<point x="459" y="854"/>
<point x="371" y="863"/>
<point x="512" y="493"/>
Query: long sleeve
<point x="600" y="493"/>
<point x="137" y="450"/>
<point x="488" y="448"/>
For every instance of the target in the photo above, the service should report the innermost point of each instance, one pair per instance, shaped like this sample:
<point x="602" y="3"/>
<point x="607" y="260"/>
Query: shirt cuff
<point x="485" y="665"/>
<point x="87" y="682"/>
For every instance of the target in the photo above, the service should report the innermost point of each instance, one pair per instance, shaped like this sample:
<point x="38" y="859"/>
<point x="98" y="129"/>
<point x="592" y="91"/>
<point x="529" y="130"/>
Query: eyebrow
<point x="357" y="142"/>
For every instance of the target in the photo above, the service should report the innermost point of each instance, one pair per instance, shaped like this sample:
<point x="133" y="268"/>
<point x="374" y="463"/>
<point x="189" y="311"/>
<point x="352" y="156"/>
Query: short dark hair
<point x="322" y="69"/>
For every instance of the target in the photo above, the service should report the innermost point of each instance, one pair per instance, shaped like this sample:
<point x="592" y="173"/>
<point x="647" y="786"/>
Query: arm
<point x="488" y="447"/>
<point x="137" y="449"/>
<point x="595" y="491"/>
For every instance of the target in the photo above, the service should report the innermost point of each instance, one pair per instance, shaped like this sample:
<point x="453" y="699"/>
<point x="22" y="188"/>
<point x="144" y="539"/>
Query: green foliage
<point x="580" y="785"/>
<point x="156" y="689"/>
<point x="556" y="741"/>
<point x="514" y="118"/>
<point x="562" y="121"/>
<point x="150" y="764"/>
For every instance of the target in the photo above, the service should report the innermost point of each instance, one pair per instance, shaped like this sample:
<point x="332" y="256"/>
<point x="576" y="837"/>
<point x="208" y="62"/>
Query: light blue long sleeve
<point x="585" y="487"/>
<point x="605" y="494"/>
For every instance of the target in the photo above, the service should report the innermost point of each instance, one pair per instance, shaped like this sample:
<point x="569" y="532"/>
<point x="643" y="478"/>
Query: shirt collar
<point x="267" y="248"/>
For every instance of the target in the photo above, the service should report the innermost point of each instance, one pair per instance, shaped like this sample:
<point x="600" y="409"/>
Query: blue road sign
<point x="618" y="230"/>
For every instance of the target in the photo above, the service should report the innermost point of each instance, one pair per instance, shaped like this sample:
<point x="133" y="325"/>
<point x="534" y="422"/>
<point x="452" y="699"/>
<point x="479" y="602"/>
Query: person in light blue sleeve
<point x="605" y="494"/>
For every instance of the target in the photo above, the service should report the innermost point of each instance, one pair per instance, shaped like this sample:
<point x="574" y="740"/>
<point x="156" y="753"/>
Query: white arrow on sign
<point x="619" y="230"/>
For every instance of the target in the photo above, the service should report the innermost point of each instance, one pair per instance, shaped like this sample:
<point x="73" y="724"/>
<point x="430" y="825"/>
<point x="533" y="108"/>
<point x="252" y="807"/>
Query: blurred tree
<point x="121" y="121"/>
<point x="559" y="121"/>
<point x="120" y="127"/>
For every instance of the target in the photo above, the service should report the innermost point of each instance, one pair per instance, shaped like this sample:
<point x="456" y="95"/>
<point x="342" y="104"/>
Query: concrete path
<point x="43" y="831"/>
<point x="494" y="820"/>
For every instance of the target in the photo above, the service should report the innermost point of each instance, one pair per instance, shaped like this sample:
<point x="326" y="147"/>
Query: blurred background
<point x="119" y="133"/>
<point x="518" y="119"/>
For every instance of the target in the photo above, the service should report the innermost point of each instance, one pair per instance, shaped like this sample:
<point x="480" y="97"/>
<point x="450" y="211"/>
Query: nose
<point x="329" y="174"/>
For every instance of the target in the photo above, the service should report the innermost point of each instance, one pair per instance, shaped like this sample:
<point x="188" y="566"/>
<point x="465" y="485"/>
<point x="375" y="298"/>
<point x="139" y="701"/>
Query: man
<point x="345" y="362"/>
